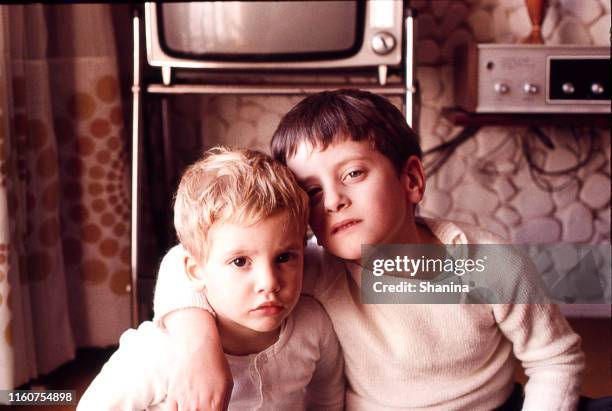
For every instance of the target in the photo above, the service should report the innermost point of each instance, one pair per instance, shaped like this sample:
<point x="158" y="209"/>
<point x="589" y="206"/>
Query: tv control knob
<point x="383" y="43"/>
<point x="568" y="88"/>
<point x="597" y="88"/>
<point x="529" y="88"/>
<point x="501" y="88"/>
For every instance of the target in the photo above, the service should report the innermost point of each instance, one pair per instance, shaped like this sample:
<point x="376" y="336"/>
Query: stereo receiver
<point x="532" y="78"/>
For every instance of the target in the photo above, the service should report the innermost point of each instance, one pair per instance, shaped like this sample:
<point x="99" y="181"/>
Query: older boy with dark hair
<point x="360" y="164"/>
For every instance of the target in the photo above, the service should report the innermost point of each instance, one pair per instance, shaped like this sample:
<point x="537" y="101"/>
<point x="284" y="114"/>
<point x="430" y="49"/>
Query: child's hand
<point x="202" y="379"/>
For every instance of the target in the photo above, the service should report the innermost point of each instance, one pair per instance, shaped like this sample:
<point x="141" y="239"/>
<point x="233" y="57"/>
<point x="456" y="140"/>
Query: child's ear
<point x="194" y="272"/>
<point x="413" y="179"/>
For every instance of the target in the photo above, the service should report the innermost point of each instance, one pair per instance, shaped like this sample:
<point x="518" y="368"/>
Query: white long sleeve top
<point x="302" y="370"/>
<point x="426" y="356"/>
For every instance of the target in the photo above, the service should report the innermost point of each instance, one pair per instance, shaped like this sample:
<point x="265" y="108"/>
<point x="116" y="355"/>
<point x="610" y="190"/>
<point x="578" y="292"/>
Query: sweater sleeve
<point x="174" y="290"/>
<point x="135" y="377"/>
<point x="549" y="352"/>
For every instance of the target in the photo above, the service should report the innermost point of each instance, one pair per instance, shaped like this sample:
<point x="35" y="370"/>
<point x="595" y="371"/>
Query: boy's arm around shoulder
<point x="327" y="386"/>
<point x="173" y="290"/>
<point x="134" y="378"/>
<point x="201" y="378"/>
<point x="320" y="270"/>
<point x="549" y="351"/>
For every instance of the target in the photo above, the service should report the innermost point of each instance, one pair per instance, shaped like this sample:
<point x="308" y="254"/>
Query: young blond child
<point x="241" y="219"/>
<point x="360" y="164"/>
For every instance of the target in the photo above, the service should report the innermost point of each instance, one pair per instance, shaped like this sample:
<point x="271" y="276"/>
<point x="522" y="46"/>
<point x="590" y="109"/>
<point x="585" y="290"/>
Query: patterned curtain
<point x="64" y="205"/>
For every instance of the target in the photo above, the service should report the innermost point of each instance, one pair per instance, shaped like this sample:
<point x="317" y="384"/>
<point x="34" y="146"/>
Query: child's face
<point x="356" y="196"/>
<point x="253" y="274"/>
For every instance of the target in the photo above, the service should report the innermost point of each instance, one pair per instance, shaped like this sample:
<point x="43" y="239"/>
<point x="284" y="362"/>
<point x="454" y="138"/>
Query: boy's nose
<point x="267" y="280"/>
<point x="335" y="200"/>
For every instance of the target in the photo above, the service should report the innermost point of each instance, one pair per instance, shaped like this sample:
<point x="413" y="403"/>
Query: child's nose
<point x="267" y="280"/>
<point x="335" y="200"/>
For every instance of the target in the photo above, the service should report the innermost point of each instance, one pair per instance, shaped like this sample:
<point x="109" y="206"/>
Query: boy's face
<point x="356" y="196"/>
<point x="253" y="274"/>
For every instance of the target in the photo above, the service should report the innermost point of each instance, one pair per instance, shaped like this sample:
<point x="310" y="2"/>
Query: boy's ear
<point x="413" y="179"/>
<point x="194" y="272"/>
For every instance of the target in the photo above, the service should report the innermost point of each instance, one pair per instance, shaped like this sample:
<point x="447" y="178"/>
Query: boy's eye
<point x="239" y="262"/>
<point x="312" y="192"/>
<point x="285" y="257"/>
<point x="353" y="174"/>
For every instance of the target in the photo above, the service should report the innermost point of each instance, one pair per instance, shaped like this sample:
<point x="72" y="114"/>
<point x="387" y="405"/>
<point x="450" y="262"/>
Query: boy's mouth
<point x="268" y="308"/>
<point x="343" y="225"/>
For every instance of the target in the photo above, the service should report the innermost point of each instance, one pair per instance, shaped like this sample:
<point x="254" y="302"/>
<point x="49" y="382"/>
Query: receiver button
<point x="530" y="88"/>
<point x="501" y="88"/>
<point x="597" y="88"/>
<point x="568" y="88"/>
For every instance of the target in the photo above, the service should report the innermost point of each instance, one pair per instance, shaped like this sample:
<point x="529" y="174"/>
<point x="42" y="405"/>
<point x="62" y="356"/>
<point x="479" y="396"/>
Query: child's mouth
<point x="344" y="225"/>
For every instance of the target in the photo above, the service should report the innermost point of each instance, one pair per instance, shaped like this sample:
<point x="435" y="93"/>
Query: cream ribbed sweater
<point x="447" y="357"/>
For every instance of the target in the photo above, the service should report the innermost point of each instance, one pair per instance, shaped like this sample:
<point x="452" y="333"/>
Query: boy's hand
<point x="201" y="380"/>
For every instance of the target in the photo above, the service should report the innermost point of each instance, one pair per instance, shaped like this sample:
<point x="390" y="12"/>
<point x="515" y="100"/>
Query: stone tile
<point x="428" y="52"/>
<point x="472" y="196"/>
<point x="501" y="26"/>
<point x="551" y="21"/>
<point x="560" y="158"/>
<point x="436" y="202"/>
<point x="511" y="4"/>
<point x="214" y="131"/>
<point x="429" y="80"/>
<point x="448" y="175"/>
<point x="577" y="222"/>
<point x="440" y="8"/>
<point x="426" y="26"/>
<point x="602" y="223"/>
<point x="240" y="132"/>
<point x="467" y="148"/>
<point x="227" y="107"/>
<point x="537" y="231"/>
<point x="570" y="31"/>
<point x="458" y="38"/>
<point x="266" y="124"/>
<point x="568" y="195"/>
<point x="427" y="121"/>
<point x="250" y="111"/>
<point x="481" y="23"/>
<point x="597" y="163"/>
<point x="595" y="191"/>
<point x="520" y="24"/>
<point x="456" y="15"/>
<point x="585" y="11"/>
<point x="493" y="226"/>
<point x="532" y="202"/>
<point x="600" y="30"/>
<point x="462" y="216"/>
<point x="504" y="188"/>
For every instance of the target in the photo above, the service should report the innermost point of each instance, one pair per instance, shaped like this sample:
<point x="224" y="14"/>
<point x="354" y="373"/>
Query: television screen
<point x="269" y="30"/>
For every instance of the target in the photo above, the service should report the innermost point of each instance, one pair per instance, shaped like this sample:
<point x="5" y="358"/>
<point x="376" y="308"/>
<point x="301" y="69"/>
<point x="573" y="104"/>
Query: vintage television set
<point x="275" y="35"/>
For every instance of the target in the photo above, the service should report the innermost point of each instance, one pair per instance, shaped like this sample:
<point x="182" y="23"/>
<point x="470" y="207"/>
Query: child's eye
<point x="239" y="262"/>
<point x="353" y="174"/>
<point x="285" y="257"/>
<point x="313" y="191"/>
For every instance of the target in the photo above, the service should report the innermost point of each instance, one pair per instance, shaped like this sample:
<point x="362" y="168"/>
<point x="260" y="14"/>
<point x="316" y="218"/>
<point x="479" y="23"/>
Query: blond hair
<point x="240" y="186"/>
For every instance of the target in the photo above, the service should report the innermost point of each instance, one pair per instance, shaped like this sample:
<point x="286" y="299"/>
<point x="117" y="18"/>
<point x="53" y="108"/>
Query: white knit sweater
<point x="430" y="357"/>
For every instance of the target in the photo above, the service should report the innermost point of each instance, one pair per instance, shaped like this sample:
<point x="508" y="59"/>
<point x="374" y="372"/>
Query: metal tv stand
<point x="407" y="89"/>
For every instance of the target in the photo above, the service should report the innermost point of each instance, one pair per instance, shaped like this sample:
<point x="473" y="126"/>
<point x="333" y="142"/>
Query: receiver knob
<point x="597" y="88"/>
<point x="530" y="88"/>
<point x="501" y="88"/>
<point x="383" y="43"/>
<point x="568" y="88"/>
